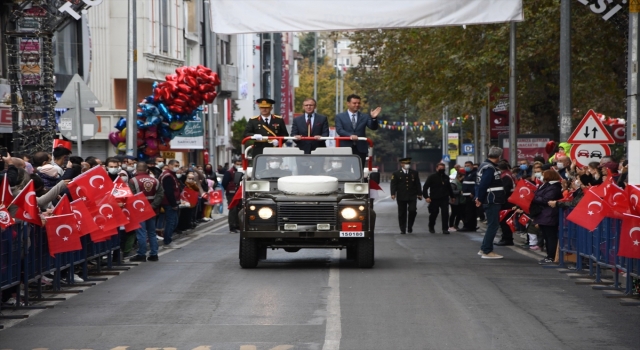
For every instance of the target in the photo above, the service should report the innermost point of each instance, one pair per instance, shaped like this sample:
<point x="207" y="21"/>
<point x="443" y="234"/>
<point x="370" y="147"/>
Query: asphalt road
<point x="426" y="291"/>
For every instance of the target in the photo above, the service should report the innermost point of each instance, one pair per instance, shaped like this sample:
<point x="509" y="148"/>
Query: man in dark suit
<point x="310" y="124"/>
<point x="265" y="125"/>
<point x="354" y="124"/>
<point x="406" y="190"/>
<point x="437" y="192"/>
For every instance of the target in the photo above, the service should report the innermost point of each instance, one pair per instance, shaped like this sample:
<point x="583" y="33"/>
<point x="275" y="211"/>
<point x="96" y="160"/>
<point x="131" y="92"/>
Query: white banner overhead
<point x="259" y="16"/>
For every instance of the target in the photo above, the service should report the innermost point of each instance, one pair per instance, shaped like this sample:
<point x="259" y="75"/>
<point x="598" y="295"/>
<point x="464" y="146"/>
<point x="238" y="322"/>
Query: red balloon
<point x="163" y="147"/>
<point x="551" y="145"/>
<point x="150" y="151"/>
<point x="190" y="71"/>
<point x="139" y="142"/>
<point x="166" y="95"/>
<point x="206" y="88"/>
<point x="176" y="109"/>
<point x="184" y="88"/>
<point x="151" y="134"/>
<point x="170" y="77"/>
<point x="180" y="70"/>
<point x="179" y="102"/>
<point x="215" y="78"/>
<point x="191" y="81"/>
<point x="183" y="96"/>
<point x="140" y="134"/>
<point x="196" y="96"/>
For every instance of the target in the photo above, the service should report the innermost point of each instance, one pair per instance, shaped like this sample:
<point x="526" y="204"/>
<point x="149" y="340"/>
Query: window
<point x="164" y="26"/>
<point x="266" y="84"/>
<point x="225" y="52"/>
<point x="347" y="62"/>
<point x="65" y="50"/>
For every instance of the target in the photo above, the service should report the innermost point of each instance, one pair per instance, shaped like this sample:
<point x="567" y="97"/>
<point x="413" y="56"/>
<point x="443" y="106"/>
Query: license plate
<point x="351" y="233"/>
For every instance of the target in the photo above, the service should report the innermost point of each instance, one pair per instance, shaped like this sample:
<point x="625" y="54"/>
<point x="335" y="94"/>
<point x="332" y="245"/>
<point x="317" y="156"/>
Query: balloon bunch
<point x="184" y="91"/>
<point x="162" y="115"/>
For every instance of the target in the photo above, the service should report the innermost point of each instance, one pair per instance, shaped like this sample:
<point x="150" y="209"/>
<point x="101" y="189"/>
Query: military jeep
<point x="294" y="201"/>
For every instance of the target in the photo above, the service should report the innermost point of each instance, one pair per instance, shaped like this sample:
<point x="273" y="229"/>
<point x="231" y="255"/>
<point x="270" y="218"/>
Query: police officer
<point x="437" y="192"/>
<point x="469" y="224"/>
<point x="273" y="169"/>
<point x="490" y="194"/>
<point x="265" y="125"/>
<point x="406" y="189"/>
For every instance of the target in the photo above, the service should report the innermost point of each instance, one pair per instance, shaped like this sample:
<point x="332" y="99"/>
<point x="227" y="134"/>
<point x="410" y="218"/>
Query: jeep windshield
<point x="273" y="167"/>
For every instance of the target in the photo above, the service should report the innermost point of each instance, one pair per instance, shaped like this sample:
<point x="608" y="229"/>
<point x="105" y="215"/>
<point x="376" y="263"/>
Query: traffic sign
<point x="619" y="133"/>
<point x="68" y="128"/>
<point x="446" y="158"/>
<point x="68" y="98"/>
<point x="589" y="152"/>
<point x="467" y="148"/>
<point x="590" y="130"/>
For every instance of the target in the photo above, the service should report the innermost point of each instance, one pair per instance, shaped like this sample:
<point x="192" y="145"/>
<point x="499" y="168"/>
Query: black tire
<point x="248" y="253"/>
<point x="364" y="253"/>
<point x="291" y="250"/>
<point x="351" y="252"/>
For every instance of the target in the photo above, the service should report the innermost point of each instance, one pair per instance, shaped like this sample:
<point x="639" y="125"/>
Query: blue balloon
<point x="140" y="114"/>
<point x="164" y="131"/>
<point x="121" y="124"/>
<point x="141" y="124"/>
<point x="150" y="110"/>
<point x="141" y="156"/>
<point x="165" y="113"/>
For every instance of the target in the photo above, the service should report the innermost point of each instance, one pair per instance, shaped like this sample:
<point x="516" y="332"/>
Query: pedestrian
<point x="143" y="182"/>
<point x="231" y="185"/>
<point x="490" y="195"/>
<point x="406" y="190"/>
<point x="310" y="124"/>
<point x="508" y="182"/>
<point x="171" y="201"/>
<point x="469" y="223"/>
<point x="548" y="218"/>
<point x="351" y="123"/>
<point x="437" y="192"/>
<point x="458" y="201"/>
<point x="265" y="125"/>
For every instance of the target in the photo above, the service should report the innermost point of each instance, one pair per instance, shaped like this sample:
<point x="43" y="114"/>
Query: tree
<point x="238" y="134"/>
<point x="453" y="66"/>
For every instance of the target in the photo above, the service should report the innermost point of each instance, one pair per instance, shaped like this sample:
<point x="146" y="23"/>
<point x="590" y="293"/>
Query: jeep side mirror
<point x="375" y="176"/>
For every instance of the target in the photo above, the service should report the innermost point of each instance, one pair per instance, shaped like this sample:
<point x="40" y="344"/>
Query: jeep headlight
<point x="265" y="213"/>
<point x="348" y="213"/>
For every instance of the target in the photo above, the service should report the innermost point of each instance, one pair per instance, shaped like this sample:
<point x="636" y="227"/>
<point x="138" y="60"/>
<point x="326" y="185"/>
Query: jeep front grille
<point x="306" y="214"/>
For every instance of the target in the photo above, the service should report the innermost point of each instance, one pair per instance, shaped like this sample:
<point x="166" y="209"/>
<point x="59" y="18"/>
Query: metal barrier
<point x="25" y="259"/>
<point x="599" y="248"/>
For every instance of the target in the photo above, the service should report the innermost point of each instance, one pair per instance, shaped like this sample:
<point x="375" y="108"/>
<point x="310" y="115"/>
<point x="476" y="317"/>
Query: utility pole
<point x="513" y="108"/>
<point x="632" y="78"/>
<point x="404" y="152"/>
<point x="210" y="56"/>
<point x="132" y="82"/>
<point x="341" y="90"/>
<point x="475" y="139"/>
<point x="565" y="69"/>
<point x="315" y="67"/>
<point x="483" y="134"/>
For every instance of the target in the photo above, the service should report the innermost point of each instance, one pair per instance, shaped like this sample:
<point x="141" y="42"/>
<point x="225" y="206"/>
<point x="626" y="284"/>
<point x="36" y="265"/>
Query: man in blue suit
<point x="352" y="123"/>
<point x="310" y="124"/>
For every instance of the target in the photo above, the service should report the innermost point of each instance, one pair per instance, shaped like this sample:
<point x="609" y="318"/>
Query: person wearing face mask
<point x="406" y="189"/>
<point x="536" y="173"/>
<point x="113" y="168"/>
<point x="490" y="194"/>
<point x="437" y="192"/>
<point x="524" y="170"/>
<point x="273" y="170"/>
<point x="563" y="165"/>
<point x="171" y="201"/>
<point x="469" y="222"/>
<point x="230" y="186"/>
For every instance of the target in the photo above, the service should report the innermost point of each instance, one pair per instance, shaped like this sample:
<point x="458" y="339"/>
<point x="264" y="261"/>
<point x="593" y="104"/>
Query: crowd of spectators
<point x="162" y="181"/>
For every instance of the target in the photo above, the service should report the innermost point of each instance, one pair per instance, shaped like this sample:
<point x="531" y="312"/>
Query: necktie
<point x="309" y="124"/>
<point x="266" y="120"/>
<point x="353" y="121"/>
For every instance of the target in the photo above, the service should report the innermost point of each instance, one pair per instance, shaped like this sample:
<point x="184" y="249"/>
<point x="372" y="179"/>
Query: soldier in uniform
<point x="273" y="169"/>
<point x="405" y="189"/>
<point x="265" y="125"/>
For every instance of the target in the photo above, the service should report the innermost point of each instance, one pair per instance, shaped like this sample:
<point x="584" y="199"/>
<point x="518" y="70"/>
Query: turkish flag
<point x="237" y="198"/>
<point x="62" y="143"/>
<point x="630" y="237"/>
<point x="523" y="194"/>
<point x="84" y="219"/>
<point x="374" y="186"/>
<point x="538" y="182"/>
<point x="63" y="207"/>
<point x="617" y="199"/>
<point x="589" y="212"/>
<point x="6" y="197"/>
<point x="61" y="234"/>
<point x="190" y="196"/>
<point x="524" y="220"/>
<point x="27" y="204"/>
<point x="91" y="186"/>
<point x="139" y="210"/>
<point x="121" y="189"/>
<point x="601" y="189"/>
<point x="633" y="193"/>
<point x="503" y="214"/>
<point x="215" y="197"/>
<point x="108" y="217"/>
<point x="5" y="219"/>
<point x="512" y="223"/>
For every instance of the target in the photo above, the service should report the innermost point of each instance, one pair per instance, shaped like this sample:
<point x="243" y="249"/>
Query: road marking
<point x="333" y="332"/>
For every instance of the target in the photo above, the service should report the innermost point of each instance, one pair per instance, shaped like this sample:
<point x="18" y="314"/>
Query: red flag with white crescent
<point x="84" y="219"/>
<point x="139" y="210"/>
<point x="589" y="212"/>
<point x="630" y="237"/>
<point x="91" y="185"/>
<point x="61" y="235"/>
<point x="523" y="195"/>
<point x="237" y="198"/>
<point x="27" y="204"/>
